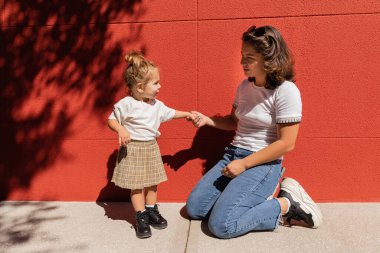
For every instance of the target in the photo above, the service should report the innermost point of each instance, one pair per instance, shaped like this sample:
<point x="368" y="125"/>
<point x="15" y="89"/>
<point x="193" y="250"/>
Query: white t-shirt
<point x="141" y="119"/>
<point x="259" y="110"/>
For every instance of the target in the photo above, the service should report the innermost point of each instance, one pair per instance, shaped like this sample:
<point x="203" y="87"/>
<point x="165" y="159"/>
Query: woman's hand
<point x="199" y="119"/>
<point x="124" y="137"/>
<point x="234" y="168"/>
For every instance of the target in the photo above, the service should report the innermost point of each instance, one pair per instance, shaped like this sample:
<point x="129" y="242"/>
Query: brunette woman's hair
<point x="137" y="70"/>
<point x="278" y="59"/>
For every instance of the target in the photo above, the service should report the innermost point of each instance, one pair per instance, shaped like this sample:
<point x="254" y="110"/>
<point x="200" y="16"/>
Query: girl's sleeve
<point x="288" y="104"/>
<point x="118" y="112"/>
<point x="166" y="113"/>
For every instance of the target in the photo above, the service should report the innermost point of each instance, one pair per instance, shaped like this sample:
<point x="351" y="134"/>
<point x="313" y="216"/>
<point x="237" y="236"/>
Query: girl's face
<point x="252" y="62"/>
<point x="153" y="86"/>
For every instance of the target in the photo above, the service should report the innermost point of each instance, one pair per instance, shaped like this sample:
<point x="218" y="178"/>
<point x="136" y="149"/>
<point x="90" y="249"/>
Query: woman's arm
<point x="286" y="142"/>
<point x="228" y="122"/>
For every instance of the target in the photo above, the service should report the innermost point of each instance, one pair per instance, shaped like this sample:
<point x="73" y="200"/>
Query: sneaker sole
<point x="299" y="194"/>
<point x="159" y="226"/>
<point x="143" y="236"/>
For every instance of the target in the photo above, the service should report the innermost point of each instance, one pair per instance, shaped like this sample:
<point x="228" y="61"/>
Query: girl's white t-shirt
<point x="141" y="119"/>
<point x="259" y="110"/>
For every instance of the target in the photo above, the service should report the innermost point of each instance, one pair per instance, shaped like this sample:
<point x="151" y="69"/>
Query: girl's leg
<point x="155" y="218"/>
<point x="142" y="216"/>
<point x="204" y="195"/>
<point x="151" y="195"/>
<point x="137" y="199"/>
<point x="243" y="205"/>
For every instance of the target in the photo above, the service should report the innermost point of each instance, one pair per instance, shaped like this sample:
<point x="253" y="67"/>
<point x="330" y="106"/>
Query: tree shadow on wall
<point x="56" y="59"/>
<point x="208" y="144"/>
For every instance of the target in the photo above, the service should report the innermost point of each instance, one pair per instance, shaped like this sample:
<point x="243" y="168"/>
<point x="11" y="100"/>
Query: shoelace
<point x="156" y="212"/>
<point x="143" y="218"/>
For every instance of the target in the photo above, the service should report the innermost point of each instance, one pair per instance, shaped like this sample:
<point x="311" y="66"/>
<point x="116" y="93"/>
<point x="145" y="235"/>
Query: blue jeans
<point x="239" y="205"/>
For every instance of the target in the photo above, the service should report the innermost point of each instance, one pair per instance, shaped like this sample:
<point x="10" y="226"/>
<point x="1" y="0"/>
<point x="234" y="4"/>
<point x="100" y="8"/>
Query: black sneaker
<point x="142" y="225"/>
<point x="155" y="218"/>
<point x="302" y="207"/>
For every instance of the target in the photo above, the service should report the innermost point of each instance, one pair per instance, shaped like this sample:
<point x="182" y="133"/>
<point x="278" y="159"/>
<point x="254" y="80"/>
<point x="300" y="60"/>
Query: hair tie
<point x="257" y="31"/>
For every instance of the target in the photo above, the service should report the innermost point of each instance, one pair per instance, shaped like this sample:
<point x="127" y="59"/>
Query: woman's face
<point x="252" y="62"/>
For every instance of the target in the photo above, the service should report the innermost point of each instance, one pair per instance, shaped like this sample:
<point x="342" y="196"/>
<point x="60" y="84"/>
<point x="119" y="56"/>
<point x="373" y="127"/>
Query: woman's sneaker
<point x="302" y="207"/>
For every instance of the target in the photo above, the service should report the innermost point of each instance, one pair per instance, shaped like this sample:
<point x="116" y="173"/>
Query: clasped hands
<point x="197" y="118"/>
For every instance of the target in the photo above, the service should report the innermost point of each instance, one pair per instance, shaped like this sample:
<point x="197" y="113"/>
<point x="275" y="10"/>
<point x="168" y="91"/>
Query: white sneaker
<point x="302" y="207"/>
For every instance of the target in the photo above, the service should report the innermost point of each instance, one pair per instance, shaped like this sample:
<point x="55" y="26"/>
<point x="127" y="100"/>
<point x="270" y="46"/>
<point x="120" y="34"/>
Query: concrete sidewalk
<point x="43" y="227"/>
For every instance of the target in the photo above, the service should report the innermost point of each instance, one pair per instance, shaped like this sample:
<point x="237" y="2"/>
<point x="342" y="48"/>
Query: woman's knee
<point x="193" y="208"/>
<point x="219" y="228"/>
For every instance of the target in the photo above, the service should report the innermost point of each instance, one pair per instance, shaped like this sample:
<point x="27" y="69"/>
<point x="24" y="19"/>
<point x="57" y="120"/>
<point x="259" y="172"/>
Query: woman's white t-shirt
<point x="259" y="110"/>
<point x="141" y="119"/>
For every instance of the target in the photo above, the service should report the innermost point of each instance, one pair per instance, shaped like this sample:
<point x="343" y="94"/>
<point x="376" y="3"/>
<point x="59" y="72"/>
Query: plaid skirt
<point x="139" y="165"/>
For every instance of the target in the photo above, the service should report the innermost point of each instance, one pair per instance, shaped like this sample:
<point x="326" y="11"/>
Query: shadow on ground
<point x="118" y="211"/>
<point x="20" y="230"/>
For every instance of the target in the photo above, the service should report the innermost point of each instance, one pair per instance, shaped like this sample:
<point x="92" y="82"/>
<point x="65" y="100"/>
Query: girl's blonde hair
<point x="278" y="59"/>
<point x="137" y="70"/>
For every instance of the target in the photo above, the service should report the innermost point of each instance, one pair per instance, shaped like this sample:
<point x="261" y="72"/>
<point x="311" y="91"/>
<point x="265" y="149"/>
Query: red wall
<point x="61" y="68"/>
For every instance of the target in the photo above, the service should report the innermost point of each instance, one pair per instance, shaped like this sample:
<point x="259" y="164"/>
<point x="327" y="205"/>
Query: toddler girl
<point x="136" y="119"/>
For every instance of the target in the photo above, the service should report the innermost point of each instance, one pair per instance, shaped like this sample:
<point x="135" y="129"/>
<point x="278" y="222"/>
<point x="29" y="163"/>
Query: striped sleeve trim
<point x="289" y="120"/>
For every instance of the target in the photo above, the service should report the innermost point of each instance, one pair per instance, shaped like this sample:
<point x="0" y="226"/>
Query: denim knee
<point x="193" y="208"/>
<point x="218" y="229"/>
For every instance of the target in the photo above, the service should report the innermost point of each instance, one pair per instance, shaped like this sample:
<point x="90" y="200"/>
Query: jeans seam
<point x="235" y="157"/>
<point x="204" y="210"/>
<point x="249" y="225"/>
<point x="240" y="199"/>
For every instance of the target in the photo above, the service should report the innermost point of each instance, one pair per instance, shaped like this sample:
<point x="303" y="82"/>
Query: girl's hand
<point x="124" y="137"/>
<point x="191" y="117"/>
<point x="234" y="169"/>
<point x="199" y="119"/>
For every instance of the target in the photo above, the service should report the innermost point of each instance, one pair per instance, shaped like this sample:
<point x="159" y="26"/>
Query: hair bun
<point x="134" y="58"/>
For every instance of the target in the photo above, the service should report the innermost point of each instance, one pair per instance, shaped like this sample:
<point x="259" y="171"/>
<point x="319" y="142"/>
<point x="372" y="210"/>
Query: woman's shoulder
<point x="287" y="87"/>
<point x="286" y="94"/>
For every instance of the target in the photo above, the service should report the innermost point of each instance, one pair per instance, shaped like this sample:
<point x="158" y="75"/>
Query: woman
<point x="235" y="195"/>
